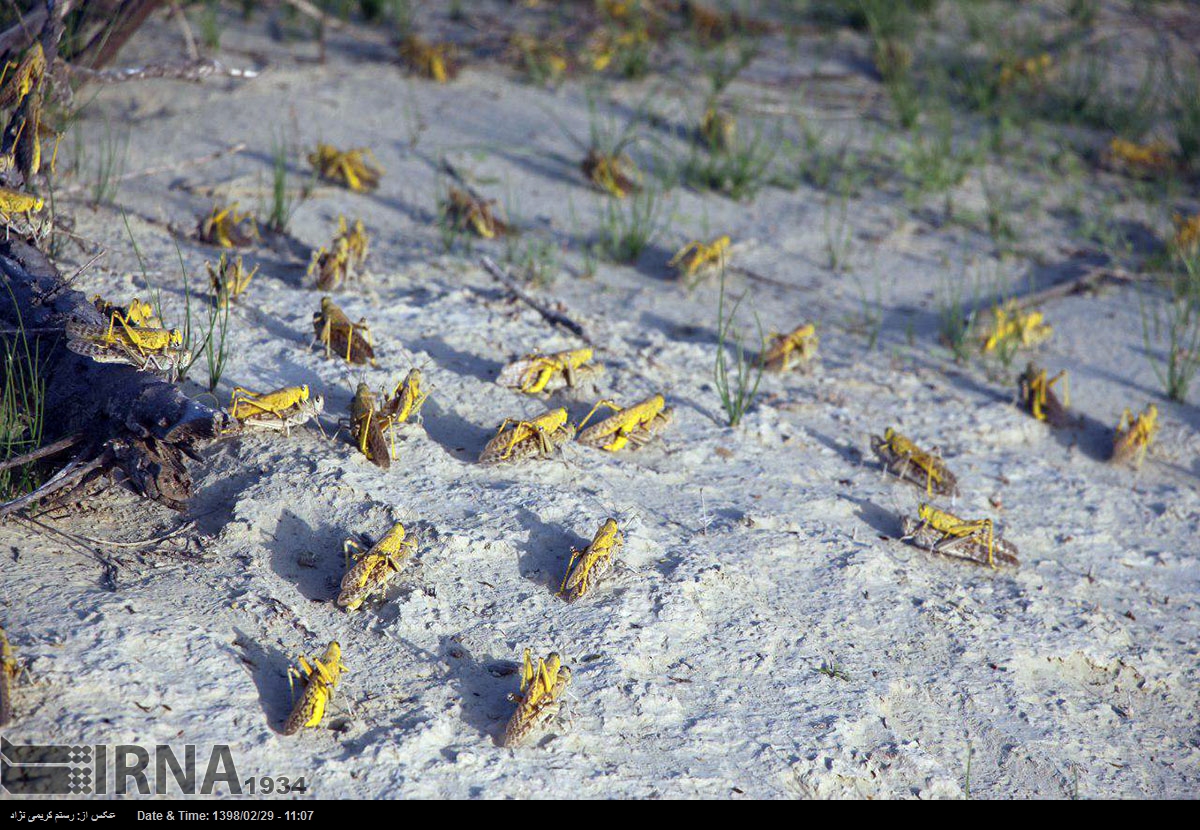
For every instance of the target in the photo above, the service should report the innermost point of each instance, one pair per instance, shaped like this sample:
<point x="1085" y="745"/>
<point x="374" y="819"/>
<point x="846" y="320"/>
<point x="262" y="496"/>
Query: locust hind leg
<point x="346" y="547"/>
<point x="575" y="554"/>
<point x="604" y="402"/>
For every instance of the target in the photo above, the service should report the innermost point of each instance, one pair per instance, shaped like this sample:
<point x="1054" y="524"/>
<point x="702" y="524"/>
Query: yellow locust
<point x="636" y="424"/>
<point x="542" y="689"/>
<point x="373" y="568"/>
<point x="592" y="563"/>
<point x="320" y="680"/>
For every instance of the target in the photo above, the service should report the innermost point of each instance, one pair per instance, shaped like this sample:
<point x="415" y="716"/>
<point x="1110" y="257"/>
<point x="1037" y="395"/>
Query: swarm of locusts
<point x="134" y="335"/>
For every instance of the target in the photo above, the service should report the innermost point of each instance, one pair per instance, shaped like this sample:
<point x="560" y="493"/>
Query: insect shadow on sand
<point x="881" y="520"/>
<point x="310" y="558"/>
<point x="483" y="687"/>
<point x="548" y="550"/>
<point x="459" y="437"/>
<point x="1094" y="438"/>
<point x="268" y="669"/>
<point x="211" y="508"/>
<point x="462" y="362"/>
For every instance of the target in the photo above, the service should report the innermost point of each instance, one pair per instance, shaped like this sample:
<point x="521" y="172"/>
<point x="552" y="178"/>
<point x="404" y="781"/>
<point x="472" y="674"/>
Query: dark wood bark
<point x="132" y="424"/>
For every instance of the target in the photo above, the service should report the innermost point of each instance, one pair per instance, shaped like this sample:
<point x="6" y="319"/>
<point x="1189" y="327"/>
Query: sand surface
<point x="765" y="632"/>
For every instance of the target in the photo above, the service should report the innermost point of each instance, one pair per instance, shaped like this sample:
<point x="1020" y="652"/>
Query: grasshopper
<point x="1134" y="436"/>
<point x="9" y="671"/>
<point x="540" y="58"/>
<point x="21" y="149"/>
<point x="718" y="130"/>
<point x="229" y="278"/>
<point x="26" y="79"/>
<point x="14" y="203"/>
<point x="320" y="679"/>
<point x="330" y="268"/>
<point x="1186" y="240"/>
<point x="518" y="439"/>
<point x="367" y="426"/>
<point x="122" y="342"/>
<point x="637" y="424"/>
<point x="797" y="348"/>
<point x="536" y="373"/>
<point x="227" y="227"/>
<point x="343" y="261"/>
<point x="466" y="211"/>
<point x="1032" y="69"/>
<point x="351" y="341"/>
<point x="406" y="399"/>
<point x="137" y="313"/>
<point x="613" y="173"/>
<point x="593" y="562"/>
<point x="281" y="410"/>
<point x="356" y="169"/>
<point x="944" y="532"/>
<point x="429" y="60"/>
<point x="540" y="697"/>
<point x="904" y="459"/>
<point x="369" y="423"/>
<point x="697" y="258"/>
<point x="19" y="214"/>
<point x="357" y="240"/>
<point x="1010" y="329"/>
<point x="1136" y="159"/>
<point x="1038" y="398"/>
<point x="374" y="567"/>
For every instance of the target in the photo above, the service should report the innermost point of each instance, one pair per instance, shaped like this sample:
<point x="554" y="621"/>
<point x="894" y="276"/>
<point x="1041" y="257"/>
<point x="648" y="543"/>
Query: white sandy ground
<point x="754" y="556"/>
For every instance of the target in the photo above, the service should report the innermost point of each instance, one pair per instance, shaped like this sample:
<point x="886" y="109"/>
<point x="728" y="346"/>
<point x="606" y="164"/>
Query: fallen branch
<point x="197" y="70"/>
<point x="551" y="316"/>
<point x="309" y="10"/>
<point x="41" y="452"/>
<point x="120" y="420"/>
<point x="1092" y="278"/>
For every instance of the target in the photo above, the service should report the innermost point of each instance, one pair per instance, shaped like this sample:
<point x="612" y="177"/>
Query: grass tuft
<point x="737" y="385"/>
